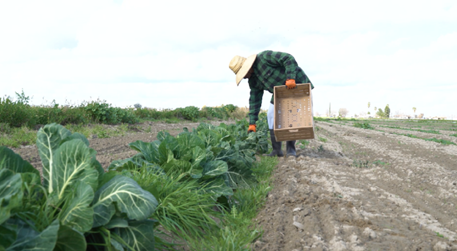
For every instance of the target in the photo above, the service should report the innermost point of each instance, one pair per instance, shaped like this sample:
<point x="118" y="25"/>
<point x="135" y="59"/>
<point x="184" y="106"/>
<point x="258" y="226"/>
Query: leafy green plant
<point x="190" y="112"/>
<point x="364" y="125"/>
<point x="323" y="139"/>
<point x="15" y="113"/>
<point x="380" y="163"/>
<point x="76" y="206"/>
<point x="304" y="143"/>
<point x="361" y="163"/>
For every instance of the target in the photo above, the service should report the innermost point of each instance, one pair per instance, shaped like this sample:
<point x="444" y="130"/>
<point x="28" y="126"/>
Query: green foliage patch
<point x="364" y="125"/>
<point x="76" y="206"/>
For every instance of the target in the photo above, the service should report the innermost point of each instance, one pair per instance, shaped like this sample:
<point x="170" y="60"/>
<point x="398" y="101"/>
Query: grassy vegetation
<point x="237" y="230"/>
<point x="18" y="112"/>
<point x="19" y="120"/>
<point x="441" y="141"/>
<point x="15" y="137"/>
<point x="409" y="129"/>
<point x="364" y="125"/>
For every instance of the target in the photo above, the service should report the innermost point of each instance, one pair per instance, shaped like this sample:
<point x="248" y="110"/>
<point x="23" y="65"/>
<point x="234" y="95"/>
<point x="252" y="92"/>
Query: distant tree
<point x="375" y="108"/>
<point x="369" y="113"/>
<point x="137" y="106"/>
<point x="343" y="112"/>
<point x="387" y="111"/>
<point x="368" y="105"/>
<point x="414" y="110"/>
<point x="380" y="113"/>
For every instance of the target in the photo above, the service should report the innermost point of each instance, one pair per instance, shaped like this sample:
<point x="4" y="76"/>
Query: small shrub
<point x="323" y="139"/>
<point x="190" y="112"/>
<point x="360" y="163"/>
<point x="15" y="113"/>
<point x="304" y="143"/>
<point x="5" y="128"/>
<point x="364" y="125"/>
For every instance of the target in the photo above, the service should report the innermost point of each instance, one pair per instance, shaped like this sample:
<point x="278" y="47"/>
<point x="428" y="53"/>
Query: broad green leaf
<point x="76" y="135"/>
<point x="29" y="239"/>
<point x="196" y="172"/>
<point x="97" y="166"/>
<point x="69" y="239"/>
<point x="218" y="187"/>
<point x="116" y="245"/>
<point x="138" y="235"/>
<point x="162" y="135"/>
<point x="214" y="168"/>
<point x="8" y="236"/>
<point x="163" y="153"/>
<point x="150" y="151"/>
<point x="129" y="198"/>
<point x="48" y="140"/>
<point x="117" y="222"/>
<point x="72" y="162"/>
<point x="125" y="164"/>
<point x="12" y="161"/>
<point x="198" y="155"/>
<point x="77" y="212"/>
<point x="10" y="193"/>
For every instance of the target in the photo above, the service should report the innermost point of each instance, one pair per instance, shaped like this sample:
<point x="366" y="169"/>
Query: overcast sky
<point x="168" y="54"/>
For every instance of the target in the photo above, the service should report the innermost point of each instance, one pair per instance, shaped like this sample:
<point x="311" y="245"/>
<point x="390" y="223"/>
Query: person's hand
<point x="290" y="83"/>
<point x="251" y="128"/>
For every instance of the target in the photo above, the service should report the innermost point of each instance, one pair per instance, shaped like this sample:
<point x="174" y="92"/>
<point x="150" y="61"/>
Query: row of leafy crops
<point x="76" y="205"/>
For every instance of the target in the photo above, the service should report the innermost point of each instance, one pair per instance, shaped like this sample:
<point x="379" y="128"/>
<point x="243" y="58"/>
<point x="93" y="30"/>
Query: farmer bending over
<point x="264" y="71"/>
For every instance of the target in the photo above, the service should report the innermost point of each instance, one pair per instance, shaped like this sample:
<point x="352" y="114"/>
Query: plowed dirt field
<point x="360" y="189"/>
<point x="349" y="189"/>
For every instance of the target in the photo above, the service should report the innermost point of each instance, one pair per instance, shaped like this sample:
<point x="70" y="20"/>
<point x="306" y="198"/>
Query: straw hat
<point x="240" y="66"/>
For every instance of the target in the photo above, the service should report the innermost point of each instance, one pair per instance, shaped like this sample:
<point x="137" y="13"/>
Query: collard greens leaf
<point x="218" y="187"/>
<point x="150" y="151"/>
<point x="8" y="234"/>
<point x="48" y="140"/>
<point x="10" y="192"/>
<point x="138" y="235"/>
<point x="12" y="161"/>
<point x="72" y="161"/>
<point x="69" y="239"/>
<point x="77" y="213"/>
<point x="214" y="168"/>
<point x="129" y="198"/>
<point x="29" y="239"/>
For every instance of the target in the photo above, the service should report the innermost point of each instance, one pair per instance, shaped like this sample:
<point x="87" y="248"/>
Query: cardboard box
<point x="293" y="109"/>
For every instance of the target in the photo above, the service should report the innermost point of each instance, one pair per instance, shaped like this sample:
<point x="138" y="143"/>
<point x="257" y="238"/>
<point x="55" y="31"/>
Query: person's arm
<point x="281" y="59"/>
<point x="255" y="102"/>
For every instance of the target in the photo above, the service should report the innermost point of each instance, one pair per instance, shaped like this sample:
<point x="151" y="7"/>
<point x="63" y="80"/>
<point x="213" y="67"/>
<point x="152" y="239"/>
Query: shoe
<point x="276" y="146"/>
<point x="290" y="148"/>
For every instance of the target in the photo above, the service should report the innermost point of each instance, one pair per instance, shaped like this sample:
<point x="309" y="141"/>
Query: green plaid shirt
<point x="271" y="68"/>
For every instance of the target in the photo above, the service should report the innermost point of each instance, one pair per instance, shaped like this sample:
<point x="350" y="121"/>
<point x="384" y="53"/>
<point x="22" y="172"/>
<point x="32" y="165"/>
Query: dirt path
<point x="363" y="190"/>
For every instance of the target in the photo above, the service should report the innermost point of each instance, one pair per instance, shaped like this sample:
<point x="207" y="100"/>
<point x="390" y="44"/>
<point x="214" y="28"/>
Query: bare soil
<point x="349" y="189"/>
<point x="363" y="190"/>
